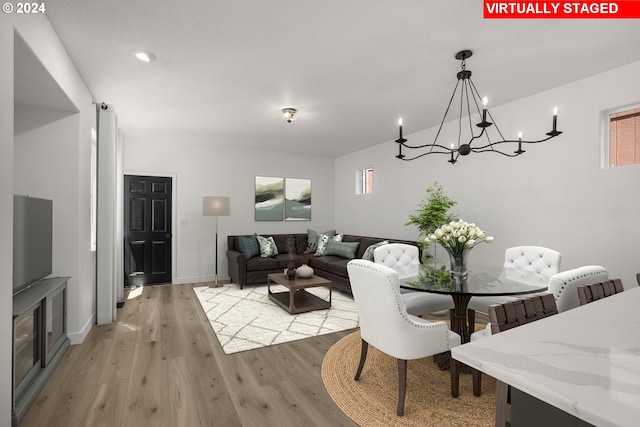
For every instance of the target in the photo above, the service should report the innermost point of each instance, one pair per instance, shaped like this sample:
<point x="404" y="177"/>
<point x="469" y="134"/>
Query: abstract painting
<point x="297" y="204"/>
<point x="269" y="200"/>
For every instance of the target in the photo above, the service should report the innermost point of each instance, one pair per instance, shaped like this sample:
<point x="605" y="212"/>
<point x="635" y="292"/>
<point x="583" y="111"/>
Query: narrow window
<point x="624" y="137"/>
<point x="364" y="181"/>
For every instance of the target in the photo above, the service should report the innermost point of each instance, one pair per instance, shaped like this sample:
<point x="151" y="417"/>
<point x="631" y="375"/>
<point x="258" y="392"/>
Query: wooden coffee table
<point x="296" y="299"/>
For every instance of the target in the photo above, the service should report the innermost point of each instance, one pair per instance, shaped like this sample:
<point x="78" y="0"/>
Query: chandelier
<point x="481" y="142"/>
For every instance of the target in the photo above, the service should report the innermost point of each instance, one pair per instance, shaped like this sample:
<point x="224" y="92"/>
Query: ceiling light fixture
<point x="289" y="114"/>
<point x="144" y="56"/>
<point x="469" y="98"/>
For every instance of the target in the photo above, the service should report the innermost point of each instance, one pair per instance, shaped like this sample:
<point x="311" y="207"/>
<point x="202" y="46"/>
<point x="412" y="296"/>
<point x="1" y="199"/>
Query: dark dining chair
<point x="506" y="316"/>
<point x="595" y="291"/>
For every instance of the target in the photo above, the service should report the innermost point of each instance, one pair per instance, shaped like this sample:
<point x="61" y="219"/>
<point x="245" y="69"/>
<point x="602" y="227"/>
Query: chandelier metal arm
<point x="402" y="141"/>
<point x="444" y="118"/>
<point x="447" y="150"/>
<point x="487" y="147"/>
<point x="407" y="159"/>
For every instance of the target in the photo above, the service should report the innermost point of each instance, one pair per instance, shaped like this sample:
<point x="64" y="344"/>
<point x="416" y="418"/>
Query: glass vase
<point x="458" y="270"/>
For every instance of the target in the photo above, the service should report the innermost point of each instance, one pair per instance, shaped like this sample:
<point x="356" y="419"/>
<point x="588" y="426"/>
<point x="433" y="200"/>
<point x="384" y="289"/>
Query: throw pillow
<point x="249" y="246"/>
<point x="323" y="239"/>
<point x="368" y="254"/>
<point x="342" y="249"/>
<point x="268" y="247"/>
<point x="312" y="239"/>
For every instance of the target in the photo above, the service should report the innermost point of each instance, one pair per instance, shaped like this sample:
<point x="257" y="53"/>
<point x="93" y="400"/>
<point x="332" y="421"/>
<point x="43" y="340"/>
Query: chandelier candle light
<point x="469" y="97"/>
<point x="458" y="238"/>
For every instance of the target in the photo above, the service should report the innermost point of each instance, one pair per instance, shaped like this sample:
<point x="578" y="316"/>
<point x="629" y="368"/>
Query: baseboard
<point x="79" y="337"/>
<point x="201" y="279"/>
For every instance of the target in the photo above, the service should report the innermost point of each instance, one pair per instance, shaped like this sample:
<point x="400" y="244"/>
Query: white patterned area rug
<point x="244" y="319"/>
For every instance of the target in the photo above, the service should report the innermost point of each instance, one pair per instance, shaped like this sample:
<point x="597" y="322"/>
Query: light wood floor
<point x="160" y="364"/>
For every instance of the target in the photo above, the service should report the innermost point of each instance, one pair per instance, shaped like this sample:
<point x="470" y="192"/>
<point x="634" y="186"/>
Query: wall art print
<point x="269" y="202"/>
<point x="297" y="201"/>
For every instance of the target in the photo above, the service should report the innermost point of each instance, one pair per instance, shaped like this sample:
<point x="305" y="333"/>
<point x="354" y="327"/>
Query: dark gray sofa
<point x="245" y="271"/>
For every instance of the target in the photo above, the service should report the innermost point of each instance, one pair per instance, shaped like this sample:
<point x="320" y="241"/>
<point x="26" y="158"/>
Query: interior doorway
<point x="147" y="227"/>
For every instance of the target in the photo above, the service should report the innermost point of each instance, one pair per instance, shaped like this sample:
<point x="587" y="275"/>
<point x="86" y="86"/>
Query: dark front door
<point x="147" y="230"/>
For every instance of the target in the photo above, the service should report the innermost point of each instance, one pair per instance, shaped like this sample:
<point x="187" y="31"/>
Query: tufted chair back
<point x="405" y="260"/>
<point x="402" y="258"/>
<point x="385" y="324"/>
<point x="564" y="285"/>
<point x="384" y="321"/>
<point x="521" y="261"/>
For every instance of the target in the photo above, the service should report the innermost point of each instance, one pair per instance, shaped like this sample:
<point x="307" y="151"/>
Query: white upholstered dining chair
<point x="564" y="287"/>
<point x="526" y="264"/>
<point x="404" y="259"/>
<point x="385" y="324"/>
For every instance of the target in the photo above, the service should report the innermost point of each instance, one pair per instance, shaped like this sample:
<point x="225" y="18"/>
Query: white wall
<point x="59" y="143"/>
<point x="201" y="168"/>
<point x="62" y="144"/>
<point x="554" y="195"/>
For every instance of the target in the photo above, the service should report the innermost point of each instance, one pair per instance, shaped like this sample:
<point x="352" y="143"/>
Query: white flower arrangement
<point x="458" y="236"/>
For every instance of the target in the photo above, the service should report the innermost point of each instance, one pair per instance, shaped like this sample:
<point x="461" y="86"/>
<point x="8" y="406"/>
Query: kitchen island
<point x="583" y="363"/>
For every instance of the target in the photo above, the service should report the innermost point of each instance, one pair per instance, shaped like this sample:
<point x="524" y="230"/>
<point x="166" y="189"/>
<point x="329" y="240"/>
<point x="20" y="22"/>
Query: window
<point x="364" y="181"/>
<point x="624" y="136"/>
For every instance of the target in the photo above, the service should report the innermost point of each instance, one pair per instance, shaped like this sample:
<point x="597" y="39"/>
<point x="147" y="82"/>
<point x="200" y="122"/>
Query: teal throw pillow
<point x="323" y="239"/>
<point x="249" y="246"/>
<point x="368" y="254"/>
<point x="268" y="247"/>
<point x="342" y="249"/>
<point x="312" y="240"/>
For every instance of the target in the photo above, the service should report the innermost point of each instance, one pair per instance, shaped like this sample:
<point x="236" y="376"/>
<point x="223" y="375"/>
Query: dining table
<point x="481" y="281"/>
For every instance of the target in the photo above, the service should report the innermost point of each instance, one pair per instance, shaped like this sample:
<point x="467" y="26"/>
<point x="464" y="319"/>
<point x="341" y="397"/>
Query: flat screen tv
<point x="32" y="240"/>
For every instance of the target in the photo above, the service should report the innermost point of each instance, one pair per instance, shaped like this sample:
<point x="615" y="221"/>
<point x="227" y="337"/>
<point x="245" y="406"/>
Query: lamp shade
<point x="216" y="206"/>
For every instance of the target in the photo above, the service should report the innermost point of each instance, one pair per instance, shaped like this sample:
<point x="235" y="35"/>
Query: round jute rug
<point x="372" y="400"/>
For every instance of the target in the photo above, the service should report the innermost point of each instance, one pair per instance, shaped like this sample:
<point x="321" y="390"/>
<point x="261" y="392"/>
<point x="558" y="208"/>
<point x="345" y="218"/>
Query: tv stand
<point x="39" y="340"/>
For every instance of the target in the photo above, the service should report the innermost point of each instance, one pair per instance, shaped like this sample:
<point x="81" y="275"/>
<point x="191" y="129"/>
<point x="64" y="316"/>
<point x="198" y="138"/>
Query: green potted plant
<point x="432" y="212"/>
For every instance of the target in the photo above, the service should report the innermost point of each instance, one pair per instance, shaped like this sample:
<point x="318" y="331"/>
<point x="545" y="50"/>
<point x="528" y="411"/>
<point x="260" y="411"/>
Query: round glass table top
<point x="482" y="281"/>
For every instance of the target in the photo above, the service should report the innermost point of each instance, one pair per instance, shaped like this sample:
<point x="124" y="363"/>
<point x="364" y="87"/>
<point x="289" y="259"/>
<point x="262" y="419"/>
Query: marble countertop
<point x="585" y="361"/>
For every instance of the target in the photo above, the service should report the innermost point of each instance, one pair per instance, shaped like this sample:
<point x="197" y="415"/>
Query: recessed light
<point x="143" y="55"/>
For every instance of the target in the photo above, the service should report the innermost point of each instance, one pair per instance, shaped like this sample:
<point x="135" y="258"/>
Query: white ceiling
<point x="225" y="68"/>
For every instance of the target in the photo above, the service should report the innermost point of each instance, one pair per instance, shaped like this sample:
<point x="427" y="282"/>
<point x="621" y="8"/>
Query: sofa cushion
<point x="365" y="242"/>
<point x="342" y="249"/>
<point x="259" y="263"/>
<point x="249" y="246"/>
<point x="368" y="253"/>
<point x="283" y="260"/>
<point x="332" y="264"/>
<point x="268" y="247"/>
<point x="312" y="239"/>
<point x="323" y="239"/>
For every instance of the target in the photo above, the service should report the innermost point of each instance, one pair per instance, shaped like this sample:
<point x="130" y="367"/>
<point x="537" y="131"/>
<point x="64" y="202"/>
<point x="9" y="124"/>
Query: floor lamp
<point x="216" y="206"/>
